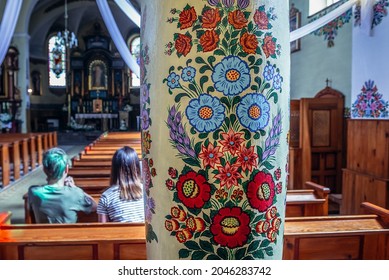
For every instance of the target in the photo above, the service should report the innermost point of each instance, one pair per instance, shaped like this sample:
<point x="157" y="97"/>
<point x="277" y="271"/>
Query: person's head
<point x="125" y="172"/>
<point x="55" y="164"/>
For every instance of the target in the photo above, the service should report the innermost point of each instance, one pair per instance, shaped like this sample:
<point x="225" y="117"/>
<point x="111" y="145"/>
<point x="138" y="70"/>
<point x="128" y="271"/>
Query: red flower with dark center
<point x="210" y="18"/>
<point x="231" y="141"/>
<point x="210" y="155"/>
<point x="230" y="227"/>
<point x="169" y="184"/>
<point x="187" y="18"/>
<point x="260" y="191"/>
<point x="193" y="190"/>
<point x="172" y="172"/>
<point x="228" y="175"/>
<point x="249" y="43"/>
<point x="247" y="159"/>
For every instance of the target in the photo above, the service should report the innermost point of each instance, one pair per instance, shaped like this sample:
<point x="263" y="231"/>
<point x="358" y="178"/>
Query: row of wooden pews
<point x="23" y="150"/>
<point x="321" y="237"/>
<point x="91" y="169"/>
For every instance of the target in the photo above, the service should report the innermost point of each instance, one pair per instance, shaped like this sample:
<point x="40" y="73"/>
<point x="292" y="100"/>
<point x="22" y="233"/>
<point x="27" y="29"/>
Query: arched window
<point x="318" y="5"/>
<point x="57" y="66"/>
<point x="134" y="45"/>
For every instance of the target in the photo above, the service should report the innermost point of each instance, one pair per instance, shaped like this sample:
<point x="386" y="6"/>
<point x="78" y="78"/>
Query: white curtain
<point x="312" y="26"/>
<point x="117" y="36"/>
<point x="8" y="24"/>
<point x="129" y="10"/>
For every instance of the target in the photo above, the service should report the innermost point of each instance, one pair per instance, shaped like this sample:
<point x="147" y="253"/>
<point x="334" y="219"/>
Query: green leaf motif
<point x="183" y="253"/>
<point x="191" y="161"/>
<point x="240" y="253"/>
<point x="259" y="254"/>
<point x="193" y="130"/>
<point x="200" y="60"/>
<point x="275" y="96"/>
<point x="269" y="251"/>
<point x="213" y="257"/>
<point x="265" y="243"/>
<point x="198" y="255"/>
<point x="206" y="246"/>
<point x="197" y="147"/>
<point x="192" y="245"/>
<point x="268" y="165"/>
<point x="204" y="68"/>
<point x="203" y="80"/>
<point x="203" y="135"/>
<point x="219" y="52"/>
<point x="253" y="246"/>
<point x="179" y="96"/>
<point x="222" y="253"/>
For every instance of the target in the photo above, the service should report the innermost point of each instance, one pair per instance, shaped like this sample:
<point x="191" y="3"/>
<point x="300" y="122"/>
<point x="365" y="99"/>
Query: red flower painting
<point x="193" y="190"/>
<point x="260" y="191"/>
<point x="230" y="227"/>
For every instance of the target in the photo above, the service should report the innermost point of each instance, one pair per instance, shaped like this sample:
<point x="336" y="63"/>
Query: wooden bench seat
<point x="330" y="237"/>
<point x="338" y="237"/>
<point x="310" y="201"/>
<point x="93" y="241"/>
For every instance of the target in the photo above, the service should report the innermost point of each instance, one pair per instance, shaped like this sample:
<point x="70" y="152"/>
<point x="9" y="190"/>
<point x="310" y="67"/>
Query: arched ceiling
<point x="48" y="17"/>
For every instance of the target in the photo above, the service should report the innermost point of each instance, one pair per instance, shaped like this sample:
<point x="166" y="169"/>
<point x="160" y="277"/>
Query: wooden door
<point x="322" y="139"/>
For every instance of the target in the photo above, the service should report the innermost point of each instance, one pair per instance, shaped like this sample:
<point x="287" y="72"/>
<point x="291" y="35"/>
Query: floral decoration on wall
<point x="369" y="103"/>
<point x="380" y="11"/>
<point x="225" y="194"/>
<point x="330" y="30"/>
<point x="148" y="169"/>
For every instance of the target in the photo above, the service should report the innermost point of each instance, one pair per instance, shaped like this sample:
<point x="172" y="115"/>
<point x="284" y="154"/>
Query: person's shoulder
<point x="35" y="188"/>
<point x="110" y="190"/>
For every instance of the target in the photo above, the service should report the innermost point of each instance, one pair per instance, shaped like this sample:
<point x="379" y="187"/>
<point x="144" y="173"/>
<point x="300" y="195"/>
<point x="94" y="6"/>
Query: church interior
<point x="65" y="82"/>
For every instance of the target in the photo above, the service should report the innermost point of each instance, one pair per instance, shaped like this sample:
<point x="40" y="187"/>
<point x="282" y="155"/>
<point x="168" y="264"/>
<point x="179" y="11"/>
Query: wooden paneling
<point x="366" y="177"/>
<point x="368" y="147"/>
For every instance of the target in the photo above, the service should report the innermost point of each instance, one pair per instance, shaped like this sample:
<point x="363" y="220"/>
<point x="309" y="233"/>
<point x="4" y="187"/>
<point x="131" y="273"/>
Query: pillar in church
<point x="215" y="119"/>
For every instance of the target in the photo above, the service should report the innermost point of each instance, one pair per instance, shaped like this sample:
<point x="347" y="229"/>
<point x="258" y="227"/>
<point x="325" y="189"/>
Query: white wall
<point x="370" y="60"/>
<point x="315" y="62"/>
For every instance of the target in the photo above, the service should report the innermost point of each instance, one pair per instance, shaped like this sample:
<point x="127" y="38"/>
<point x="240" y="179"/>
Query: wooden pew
<point x="338" y="237"/>
<point x="92" y="241"/>
<point x="5" y="164"/>
<point x="310" y="201"/>
<point x="5" y="218"/>
<point x="330" y="237"/>
<point x="14" y="146"/>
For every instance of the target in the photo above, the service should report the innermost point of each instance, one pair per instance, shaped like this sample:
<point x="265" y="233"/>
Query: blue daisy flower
<point x="205" y="113"/>
<point x="277" y="81"/>
<point x="231" y="76"/>
<point x="268" y="72"/>
<point x="188" y="74"/>
<point x="253" y="111"/>
<point x="173" y="80"/>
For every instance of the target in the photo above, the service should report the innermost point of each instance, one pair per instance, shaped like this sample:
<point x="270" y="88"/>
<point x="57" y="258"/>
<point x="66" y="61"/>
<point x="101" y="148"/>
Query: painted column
<point x="215" y="119"/>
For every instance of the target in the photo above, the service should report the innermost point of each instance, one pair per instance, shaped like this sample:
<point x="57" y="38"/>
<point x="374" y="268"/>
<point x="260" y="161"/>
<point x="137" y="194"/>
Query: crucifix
<point x="328" y="82"/>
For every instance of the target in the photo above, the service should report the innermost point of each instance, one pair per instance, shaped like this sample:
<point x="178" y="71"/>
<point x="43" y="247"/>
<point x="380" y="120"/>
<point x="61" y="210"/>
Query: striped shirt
<point x="119" y="210"/>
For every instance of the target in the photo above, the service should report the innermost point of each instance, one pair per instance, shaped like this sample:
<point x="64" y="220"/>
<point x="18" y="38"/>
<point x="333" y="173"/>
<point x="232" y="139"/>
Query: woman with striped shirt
<point x="123" y="200"/>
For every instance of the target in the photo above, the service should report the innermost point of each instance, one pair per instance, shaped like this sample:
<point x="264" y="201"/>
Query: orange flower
<point x="183" y="235"/>
<point x="210" y="18"/>
<point x="187" y="18"/>
<point x="178" y="213"/>
<point x="272" y="235"/>
<point x="195" y="224"/>
<point x="210" y="155"/>
<point x="262" y="226"/>
<point x="171" y="225"/>
<point x="276" y="223"/>
<point x="271" y="213"/>
<point x="231" y="141"/>
<point x="237" y="19"/>
<point x="209" y="40"/>
<point x="249" y="43"/>
<point x="269" y="46"/>
<point x="183" y="44"/>
<point x="228" y="175"/>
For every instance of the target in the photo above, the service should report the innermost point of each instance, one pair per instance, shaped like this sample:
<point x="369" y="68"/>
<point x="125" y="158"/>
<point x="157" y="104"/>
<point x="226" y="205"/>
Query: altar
<point x="108" y="121"/>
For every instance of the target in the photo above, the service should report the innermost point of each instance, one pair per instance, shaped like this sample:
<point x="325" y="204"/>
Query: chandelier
<point x="65" y="40"/>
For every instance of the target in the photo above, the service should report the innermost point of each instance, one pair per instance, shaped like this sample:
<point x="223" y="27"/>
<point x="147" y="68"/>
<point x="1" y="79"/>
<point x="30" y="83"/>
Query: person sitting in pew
<point x="60" y="199"/>
<point x="123" y="200"/>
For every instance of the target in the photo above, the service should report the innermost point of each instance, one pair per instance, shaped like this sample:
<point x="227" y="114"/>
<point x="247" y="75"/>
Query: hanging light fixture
<point x="65" y="40"/>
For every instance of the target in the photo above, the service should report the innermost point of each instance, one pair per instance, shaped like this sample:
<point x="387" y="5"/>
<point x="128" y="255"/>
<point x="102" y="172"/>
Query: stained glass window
<point x="134" y="45"/>
<point x="57" y="65"/>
